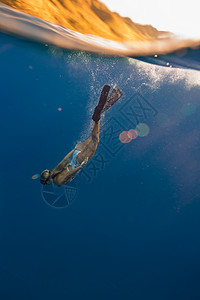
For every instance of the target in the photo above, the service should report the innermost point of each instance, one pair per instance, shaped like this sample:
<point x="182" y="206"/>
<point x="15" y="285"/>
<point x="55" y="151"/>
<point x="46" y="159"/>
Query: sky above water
<point x="177" y="16"/>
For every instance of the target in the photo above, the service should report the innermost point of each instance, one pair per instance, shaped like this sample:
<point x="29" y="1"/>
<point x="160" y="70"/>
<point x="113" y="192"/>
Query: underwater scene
<point x="127" y="226"/>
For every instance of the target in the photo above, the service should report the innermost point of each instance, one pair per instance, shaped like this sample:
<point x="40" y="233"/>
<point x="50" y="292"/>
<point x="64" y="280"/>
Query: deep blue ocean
<point x="128" y="226"/>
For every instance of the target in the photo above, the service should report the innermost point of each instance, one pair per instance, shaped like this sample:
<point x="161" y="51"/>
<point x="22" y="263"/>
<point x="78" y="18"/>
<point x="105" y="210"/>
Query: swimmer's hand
<point x="84" y="162"/>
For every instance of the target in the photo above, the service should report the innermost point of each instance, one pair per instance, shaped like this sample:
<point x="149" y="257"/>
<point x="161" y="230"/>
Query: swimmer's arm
<point x="62" y="164"/>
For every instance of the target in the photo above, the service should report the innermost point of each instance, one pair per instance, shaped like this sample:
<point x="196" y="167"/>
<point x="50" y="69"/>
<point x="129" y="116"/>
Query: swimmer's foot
<point x="115" y="95"/>
<point x="102" y="100"/>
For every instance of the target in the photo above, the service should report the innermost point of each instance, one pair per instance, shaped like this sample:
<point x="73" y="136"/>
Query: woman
<point x="75" y="160"/>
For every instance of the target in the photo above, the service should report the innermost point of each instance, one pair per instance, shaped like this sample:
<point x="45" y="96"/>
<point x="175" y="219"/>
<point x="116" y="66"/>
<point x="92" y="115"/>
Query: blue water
<point x="187" y="58"/>
<point x="131" y="228"/>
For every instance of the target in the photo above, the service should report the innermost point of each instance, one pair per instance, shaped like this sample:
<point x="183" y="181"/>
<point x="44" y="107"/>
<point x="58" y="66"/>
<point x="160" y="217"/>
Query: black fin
<point x="102" y="101"/>
<point x="114" y="97"/>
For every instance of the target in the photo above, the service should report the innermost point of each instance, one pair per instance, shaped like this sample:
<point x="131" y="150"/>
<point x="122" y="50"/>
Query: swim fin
<point x="114" y="96"/>
<point x="102" y="100"/>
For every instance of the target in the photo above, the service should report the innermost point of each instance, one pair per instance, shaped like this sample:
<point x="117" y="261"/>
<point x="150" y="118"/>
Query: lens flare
<point x="142" y="129"/>
<point x="133" y="134"/>
<point x="36" y="176"/>
<point x="125" y="137"/>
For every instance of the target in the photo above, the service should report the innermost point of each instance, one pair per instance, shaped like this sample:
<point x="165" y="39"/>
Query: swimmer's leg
<point x="96" y="118"/>
<point x="81" y="146"/>
<point x="95" y="135"/>
<point x="88" y="148"/>
<point x="94" y="138"/>
<point x="95" y="131"/>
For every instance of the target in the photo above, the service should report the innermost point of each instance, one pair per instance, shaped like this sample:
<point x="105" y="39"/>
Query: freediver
<point x="76" y="159"/>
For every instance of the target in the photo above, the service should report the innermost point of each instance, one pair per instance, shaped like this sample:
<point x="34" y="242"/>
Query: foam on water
<point x="159" y="74"/>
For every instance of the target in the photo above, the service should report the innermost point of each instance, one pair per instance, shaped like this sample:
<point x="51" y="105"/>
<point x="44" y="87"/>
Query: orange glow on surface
<point x="86" y="16"/>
